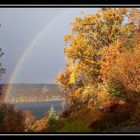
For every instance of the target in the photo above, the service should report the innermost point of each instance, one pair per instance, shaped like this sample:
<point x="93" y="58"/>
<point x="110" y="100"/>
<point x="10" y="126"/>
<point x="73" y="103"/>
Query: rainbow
<point x="28" y="50"/>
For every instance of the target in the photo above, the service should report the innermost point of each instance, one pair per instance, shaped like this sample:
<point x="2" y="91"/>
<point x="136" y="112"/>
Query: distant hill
<point x="34" y="92"/>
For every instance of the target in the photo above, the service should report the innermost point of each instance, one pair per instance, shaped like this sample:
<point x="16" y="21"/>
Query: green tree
<point x="52" y="116"/>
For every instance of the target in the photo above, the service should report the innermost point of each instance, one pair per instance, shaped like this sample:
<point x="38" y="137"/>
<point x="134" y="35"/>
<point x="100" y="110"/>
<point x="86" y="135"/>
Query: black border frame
<point x="69" y="6"/>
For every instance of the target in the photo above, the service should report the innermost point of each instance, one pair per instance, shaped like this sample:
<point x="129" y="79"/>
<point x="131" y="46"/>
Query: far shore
<point x="38" y="101"/>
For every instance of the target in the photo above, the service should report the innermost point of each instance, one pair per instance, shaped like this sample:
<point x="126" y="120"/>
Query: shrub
<point x="115" y="114"/>
<point x="115" y="89"/>
<point x="40" y="125"/>
<point x="11" y="119"/>
<point x="127" y="71"/>
<point x="29" y="120"/>
<point x="89" y="92"/>
<point x="123" y="78"/>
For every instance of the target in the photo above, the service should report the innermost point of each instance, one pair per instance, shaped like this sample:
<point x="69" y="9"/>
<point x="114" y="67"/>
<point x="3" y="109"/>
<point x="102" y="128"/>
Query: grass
<point x="86" y="120"/>
<point x="75" y="126"/>
<point x="78" y="122"/>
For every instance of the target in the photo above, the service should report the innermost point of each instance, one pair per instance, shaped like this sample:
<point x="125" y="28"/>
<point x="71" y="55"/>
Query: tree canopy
<point x="93" y="46"/>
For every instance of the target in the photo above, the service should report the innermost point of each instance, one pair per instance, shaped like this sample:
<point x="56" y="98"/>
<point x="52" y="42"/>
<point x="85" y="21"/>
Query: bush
<point x="29" y="120"/>
<point x="115" y="114"/>
<point x="123" y="78"/>
<point x="127" y="71"/>
<point x="11" y="120"/>
<point x="115" y="89"/>
<point x="90" y="92"/>
<point x="39" y="125"/>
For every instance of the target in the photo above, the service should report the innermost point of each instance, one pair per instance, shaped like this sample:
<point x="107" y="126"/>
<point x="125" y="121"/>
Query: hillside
<point x="34" y="92"/>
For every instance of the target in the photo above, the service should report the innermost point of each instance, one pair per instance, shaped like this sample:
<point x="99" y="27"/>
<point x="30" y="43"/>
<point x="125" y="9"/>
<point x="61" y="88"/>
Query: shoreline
<point x="38" y="101"/>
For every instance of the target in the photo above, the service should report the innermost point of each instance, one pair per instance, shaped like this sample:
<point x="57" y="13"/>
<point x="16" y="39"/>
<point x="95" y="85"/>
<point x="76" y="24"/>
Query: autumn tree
<point x="122" y="74"/>
<point x="134" y="17"/>
<point x="92" y="38"/>
<point x="11" y="119"/>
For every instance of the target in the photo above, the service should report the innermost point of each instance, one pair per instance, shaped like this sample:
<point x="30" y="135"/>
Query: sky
<point x="40" y="29"/>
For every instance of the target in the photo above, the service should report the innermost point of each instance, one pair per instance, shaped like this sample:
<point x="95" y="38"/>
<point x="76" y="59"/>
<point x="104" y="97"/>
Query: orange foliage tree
<point x="126" y="72"/>
<point x="91" y="39"/>
<point x="120" y="71"/>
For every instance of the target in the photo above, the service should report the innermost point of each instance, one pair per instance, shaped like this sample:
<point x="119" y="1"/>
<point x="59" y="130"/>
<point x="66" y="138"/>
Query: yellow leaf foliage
<point x="93" y="46"/>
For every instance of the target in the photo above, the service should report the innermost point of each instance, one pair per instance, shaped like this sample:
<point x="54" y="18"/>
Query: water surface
<point x="39" y="109"/>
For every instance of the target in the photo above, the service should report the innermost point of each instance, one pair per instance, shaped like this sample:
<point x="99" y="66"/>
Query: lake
<point x="39" y="109"/>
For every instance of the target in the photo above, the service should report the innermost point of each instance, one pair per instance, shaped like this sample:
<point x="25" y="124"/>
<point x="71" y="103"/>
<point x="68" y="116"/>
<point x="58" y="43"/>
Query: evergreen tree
<point x="52" y="116"/>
